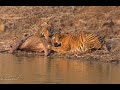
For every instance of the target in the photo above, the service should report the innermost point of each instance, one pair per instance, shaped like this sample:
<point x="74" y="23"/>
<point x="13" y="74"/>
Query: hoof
<point x="49" y="53"/>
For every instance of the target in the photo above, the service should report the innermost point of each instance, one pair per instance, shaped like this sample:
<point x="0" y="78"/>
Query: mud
<point x="20" y="20"/>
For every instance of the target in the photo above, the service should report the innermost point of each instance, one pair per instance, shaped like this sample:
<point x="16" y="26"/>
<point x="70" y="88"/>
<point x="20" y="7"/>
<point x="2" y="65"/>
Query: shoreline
<point x="103" y="56"/>
<point x="19" y="21"/>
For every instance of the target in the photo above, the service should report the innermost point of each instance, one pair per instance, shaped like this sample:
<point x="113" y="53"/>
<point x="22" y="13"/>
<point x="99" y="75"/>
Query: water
<point x="42" y="70"/>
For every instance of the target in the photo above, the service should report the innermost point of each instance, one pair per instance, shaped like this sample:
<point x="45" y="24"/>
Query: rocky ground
<point x="20" y="20"/>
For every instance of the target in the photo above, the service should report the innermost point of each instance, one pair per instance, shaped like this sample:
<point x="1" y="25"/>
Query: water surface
<point x="43" y="70"/>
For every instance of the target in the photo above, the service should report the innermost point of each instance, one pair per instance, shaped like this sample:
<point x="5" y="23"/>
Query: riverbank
<point x="20" y="20"/>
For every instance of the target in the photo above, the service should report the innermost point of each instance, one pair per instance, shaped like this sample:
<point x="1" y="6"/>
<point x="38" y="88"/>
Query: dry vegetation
<point x="19" y="20"/>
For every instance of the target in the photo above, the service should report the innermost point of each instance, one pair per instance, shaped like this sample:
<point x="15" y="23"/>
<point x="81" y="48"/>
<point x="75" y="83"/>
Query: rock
<point x="114" y="61"/>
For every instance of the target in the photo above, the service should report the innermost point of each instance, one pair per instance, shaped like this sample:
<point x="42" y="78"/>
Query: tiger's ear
<point x="51" y="31"/>
<point x="59" y="35"/>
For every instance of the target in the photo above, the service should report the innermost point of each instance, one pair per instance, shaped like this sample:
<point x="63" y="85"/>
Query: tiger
<point x="78" y="42"/>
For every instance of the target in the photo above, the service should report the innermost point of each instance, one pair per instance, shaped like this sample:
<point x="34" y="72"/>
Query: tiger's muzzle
<point x="56" y="44"/>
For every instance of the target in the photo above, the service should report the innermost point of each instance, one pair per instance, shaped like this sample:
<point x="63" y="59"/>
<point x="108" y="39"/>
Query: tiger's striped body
<point x="76" y="42"/>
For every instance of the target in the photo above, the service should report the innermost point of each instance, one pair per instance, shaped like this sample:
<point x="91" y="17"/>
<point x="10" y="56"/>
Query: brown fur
<point x="44" y="31"/>
<point x="35" y="43"/>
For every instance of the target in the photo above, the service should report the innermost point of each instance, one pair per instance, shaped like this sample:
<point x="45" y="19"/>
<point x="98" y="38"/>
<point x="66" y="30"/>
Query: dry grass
<point x="19" y="20"/>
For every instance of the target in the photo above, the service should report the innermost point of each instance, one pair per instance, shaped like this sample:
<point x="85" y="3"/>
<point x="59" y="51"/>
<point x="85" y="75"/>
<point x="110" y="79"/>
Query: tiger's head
<point x="58" y="38"/>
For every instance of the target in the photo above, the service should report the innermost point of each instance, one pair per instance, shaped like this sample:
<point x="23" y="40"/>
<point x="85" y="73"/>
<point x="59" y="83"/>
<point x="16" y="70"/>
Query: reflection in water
<point x="55" y="71"/>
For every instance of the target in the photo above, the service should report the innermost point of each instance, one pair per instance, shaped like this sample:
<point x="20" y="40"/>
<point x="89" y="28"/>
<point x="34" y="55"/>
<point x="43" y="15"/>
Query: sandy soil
<point x="20" y="20"/>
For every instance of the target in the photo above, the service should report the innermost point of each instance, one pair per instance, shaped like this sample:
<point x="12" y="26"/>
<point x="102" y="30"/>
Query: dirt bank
<point x="20" y="20"/>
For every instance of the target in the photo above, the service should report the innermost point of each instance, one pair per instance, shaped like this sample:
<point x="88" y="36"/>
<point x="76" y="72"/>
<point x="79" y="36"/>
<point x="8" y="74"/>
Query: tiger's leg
<point x="78" y="50"/>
